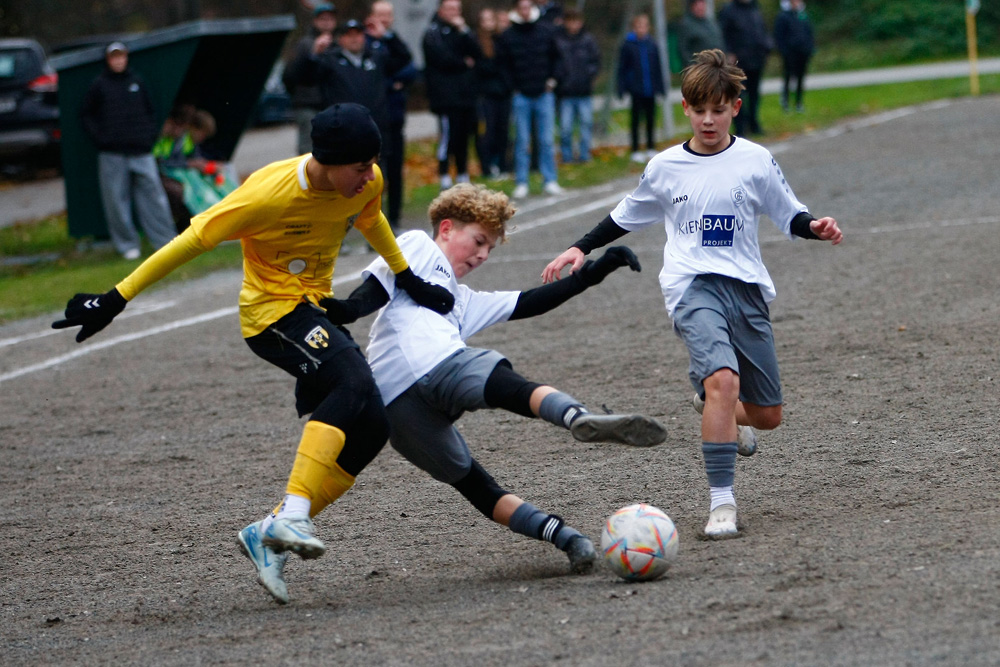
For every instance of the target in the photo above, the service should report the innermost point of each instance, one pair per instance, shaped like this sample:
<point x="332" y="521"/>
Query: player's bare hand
<point x="572" y="257"/>
<point x="827" y="230"/>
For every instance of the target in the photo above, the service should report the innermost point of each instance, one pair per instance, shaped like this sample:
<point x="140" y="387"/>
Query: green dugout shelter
<point x="217" y="65"/>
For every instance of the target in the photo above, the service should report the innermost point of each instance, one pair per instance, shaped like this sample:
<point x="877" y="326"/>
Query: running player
<point x="291" y="218"/>
<point x="429" y="377"/>
<point x="711" y="191"/>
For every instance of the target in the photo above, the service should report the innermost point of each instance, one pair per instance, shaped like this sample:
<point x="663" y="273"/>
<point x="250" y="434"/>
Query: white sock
<point x="294" y="506"/>
<point x="721" y="495"/>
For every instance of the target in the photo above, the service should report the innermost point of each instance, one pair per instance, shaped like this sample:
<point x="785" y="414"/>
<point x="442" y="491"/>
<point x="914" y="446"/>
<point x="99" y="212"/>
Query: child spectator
<point x="640" y="75"/>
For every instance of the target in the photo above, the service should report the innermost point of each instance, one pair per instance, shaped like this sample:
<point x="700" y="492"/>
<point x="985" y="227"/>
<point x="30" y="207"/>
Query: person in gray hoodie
<point x="698" y="31"/>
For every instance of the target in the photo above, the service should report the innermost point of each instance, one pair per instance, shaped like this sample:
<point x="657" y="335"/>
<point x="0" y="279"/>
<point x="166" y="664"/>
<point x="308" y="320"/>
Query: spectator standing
<point x="698" y="31"/>
<point x="306" y="98"/>
<point x="580" y="60"/>
<point x="117" y="112"/>
<point x="450" y="55"/>
<point x="550" y="11"/>
<point x="793" y="37"/>
<point x="529" y="58"/>
<point x="641" y="76"/>
<point x="748" y="44"/>
<point x="493" y="137"/>
<point x="386" y="45"/>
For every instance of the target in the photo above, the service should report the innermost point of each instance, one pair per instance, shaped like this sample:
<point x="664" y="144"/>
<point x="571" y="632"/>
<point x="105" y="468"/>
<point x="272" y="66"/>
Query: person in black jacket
<point x="493" y="137"/>
<point x="450" y="56"/>
<point x="117" y="112"/>
<point x="748" y="44"/>
<point x="529" y="59"/>
<point x="306" y="99"/>
<point x="579" y="61"/>
<point x="400" y="72"/>
<point x="793" y="36"/>
<point x="641" y="76"/>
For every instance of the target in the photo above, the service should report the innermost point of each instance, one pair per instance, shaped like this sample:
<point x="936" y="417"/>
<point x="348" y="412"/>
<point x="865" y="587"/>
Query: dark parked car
<point x="29" y="111"/>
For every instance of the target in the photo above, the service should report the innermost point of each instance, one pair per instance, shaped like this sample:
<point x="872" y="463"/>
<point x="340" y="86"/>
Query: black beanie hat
<point x="345" y="134"/>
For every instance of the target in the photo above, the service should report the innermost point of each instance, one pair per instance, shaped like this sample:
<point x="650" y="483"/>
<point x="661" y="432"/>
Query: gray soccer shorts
<point x="725" y="323"/>
<point x="421" y="419"/>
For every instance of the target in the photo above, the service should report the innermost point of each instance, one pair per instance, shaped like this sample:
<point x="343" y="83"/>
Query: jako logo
<point x="441" y="269"/>
<point x="678" y="200"/>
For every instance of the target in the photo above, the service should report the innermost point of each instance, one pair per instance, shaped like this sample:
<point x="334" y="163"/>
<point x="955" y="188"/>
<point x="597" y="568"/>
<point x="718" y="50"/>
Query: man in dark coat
<point x="117" y="112"/>
<point x="306" y="98"/>
<point x="450" y="55"/>
<point x="579" y="62"/>
<point x="748" y="44"/>
<point x="793" y="35"/>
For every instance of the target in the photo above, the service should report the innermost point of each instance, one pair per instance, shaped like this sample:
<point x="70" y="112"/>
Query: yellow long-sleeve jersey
<point x="291" y="235"/>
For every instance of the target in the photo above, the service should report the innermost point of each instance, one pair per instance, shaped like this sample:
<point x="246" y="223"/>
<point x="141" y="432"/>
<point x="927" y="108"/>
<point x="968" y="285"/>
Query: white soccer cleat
<point x="722" y="523"/>
<point x="746" y="439"/>
<point x="294" y="533"/>
<point x="270" y="566"/>
<point x="634" y="430"/>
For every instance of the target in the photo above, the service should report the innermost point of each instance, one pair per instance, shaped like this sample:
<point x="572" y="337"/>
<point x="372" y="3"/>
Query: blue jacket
<point x="639" y="71"/>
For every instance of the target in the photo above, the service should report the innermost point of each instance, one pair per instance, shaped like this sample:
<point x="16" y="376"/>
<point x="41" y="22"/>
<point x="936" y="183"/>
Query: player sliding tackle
<point x="291" y="218"/>
<point x="429" y="377"/>
<point x="710" y="192"/>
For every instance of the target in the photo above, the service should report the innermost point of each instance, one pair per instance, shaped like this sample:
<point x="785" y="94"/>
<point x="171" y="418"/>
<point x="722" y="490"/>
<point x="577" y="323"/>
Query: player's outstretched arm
<point x="601" y="235"/>
<point x="428" y="295"/>
<point x="827" y="229"/>
<point x="91" y="312"/>
<point x="551" y="295"/>
<point x="364" y="300"/>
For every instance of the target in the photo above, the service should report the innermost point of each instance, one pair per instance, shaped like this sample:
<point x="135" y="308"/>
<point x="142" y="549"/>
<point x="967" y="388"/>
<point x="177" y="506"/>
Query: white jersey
<point x="407" y="340"/>
<point x="711" y="205"/>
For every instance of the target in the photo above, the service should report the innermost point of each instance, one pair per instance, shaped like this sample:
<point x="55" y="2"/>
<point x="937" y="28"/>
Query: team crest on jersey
<point x="318" y="338"/>
<point x="739" y="195"/>
<point x="351" y="220"/>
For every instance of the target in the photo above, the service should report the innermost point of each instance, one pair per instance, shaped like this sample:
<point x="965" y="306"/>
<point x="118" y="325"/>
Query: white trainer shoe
<point x="639" y="157"/>
<point x="746" y="439"/>
<point x="634" y="430"/>
<point x="553" y="188"/>
<point x="270" y="566"/>
<point x="294" y="533"/>
<point x="520" y="191"/>
<point x="722" y="523"/>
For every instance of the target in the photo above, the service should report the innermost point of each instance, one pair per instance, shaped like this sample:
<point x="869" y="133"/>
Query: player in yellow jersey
<point x="291" y="218"/>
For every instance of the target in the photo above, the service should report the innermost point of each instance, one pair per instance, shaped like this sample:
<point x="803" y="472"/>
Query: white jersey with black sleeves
<point x="407" y="340"/>
<point x="710" y="205"/>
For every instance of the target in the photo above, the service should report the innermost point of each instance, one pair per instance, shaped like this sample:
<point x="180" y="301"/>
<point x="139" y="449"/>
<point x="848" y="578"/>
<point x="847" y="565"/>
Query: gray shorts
<point x="725" y="323"/>
<point x="421" y="419"/>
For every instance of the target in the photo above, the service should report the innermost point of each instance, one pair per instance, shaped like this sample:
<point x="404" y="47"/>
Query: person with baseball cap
<point x="291" y="218"/>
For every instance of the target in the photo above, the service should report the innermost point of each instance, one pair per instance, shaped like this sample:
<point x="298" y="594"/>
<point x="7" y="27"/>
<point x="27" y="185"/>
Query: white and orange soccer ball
<point x="639" y="542"/>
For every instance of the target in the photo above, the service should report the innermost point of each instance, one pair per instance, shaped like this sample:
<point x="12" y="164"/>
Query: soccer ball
<point x="639" y="542"/>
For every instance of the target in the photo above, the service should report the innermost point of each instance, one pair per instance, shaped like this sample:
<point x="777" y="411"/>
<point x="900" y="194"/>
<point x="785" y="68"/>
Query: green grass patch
<point x="63" y="266"/>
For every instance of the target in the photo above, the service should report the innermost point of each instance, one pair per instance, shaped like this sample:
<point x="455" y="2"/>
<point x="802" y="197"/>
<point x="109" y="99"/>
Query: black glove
<point x="594" y="271"/>
<point x="341" y="311"/>
<point x="424" y="293"/>
<point x="91" y="312"/>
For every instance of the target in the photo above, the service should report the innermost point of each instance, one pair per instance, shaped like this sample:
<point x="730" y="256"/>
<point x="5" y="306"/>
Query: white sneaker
<point x="131" y="253"/>
<point x="553" y="188"/>
<point x="446" y="182"/>
<point x="294" y="533"/>
<point x="521" y="191"/>
<point x="462" y="178"/>
<point x="270" y="566"/>
<point x="746" y="439"/>
<point x="722" y="523"/>
<point x="639" y="157"/>
<point x="651" y="153"/>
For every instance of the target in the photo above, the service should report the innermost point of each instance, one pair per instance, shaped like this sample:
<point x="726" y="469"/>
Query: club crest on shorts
<point x="739" y="195"/>
<point x="318" y="338"/>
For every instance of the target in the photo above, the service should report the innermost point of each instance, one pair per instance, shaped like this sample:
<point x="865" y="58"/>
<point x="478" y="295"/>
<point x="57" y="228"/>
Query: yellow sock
<point x="315" y="474"/>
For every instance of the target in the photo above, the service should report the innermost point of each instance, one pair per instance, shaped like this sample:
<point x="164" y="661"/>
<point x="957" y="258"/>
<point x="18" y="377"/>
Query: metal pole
<point x="660" y="19"/>
<point x="970" y="33"/>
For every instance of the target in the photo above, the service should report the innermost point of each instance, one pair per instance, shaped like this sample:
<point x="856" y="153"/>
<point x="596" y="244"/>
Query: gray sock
<point x="720" y="462"/>
<point x="531" y="522"/>
<point x="560" y="409"/>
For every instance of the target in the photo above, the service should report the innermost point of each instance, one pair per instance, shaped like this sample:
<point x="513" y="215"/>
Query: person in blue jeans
<point x="580" y="60"/>
<point x="640" y="75"/>
<point x="529" y="57"/>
